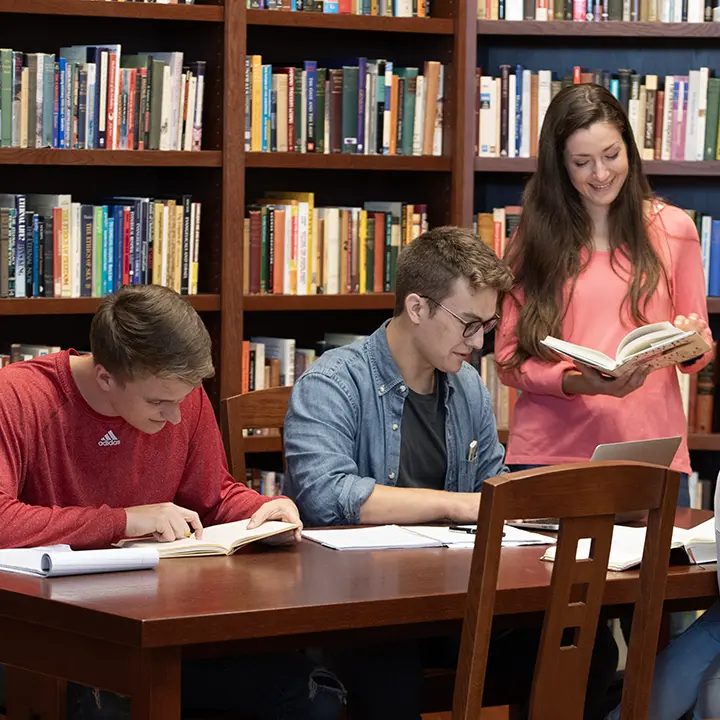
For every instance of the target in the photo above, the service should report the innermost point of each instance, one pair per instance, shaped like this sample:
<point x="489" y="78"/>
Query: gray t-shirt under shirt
<point x="423" y="454"/>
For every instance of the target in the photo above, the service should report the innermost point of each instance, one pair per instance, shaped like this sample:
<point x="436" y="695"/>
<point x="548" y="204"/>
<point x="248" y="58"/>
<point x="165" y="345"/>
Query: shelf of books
<point x="317" y="161"/>
<point x="519" y="27"/>
<point x="115" y="158"/>
<point x="132" y="10"/>
<point x="85" y="305"/>
<point x="355" y="302"/>
<point x="98" y="158"/>
<point x="349" y="21"/>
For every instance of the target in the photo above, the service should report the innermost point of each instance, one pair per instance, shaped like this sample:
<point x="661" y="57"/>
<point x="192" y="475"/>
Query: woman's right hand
<point x="588" y="381"/>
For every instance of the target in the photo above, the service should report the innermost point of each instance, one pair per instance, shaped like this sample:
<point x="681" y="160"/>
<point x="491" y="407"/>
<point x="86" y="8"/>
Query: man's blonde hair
<point x="149" y="330"/>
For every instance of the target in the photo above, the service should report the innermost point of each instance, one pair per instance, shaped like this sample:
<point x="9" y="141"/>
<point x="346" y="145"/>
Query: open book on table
<point x="58" y="560"/>
<point x="696" y="545"/>
<point x="216" y="539"/>
<point x="658" y="345"/>
<point x="386" y="537"/>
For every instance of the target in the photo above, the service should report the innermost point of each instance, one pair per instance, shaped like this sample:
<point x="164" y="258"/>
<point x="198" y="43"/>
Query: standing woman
<point x="594" y="256"/>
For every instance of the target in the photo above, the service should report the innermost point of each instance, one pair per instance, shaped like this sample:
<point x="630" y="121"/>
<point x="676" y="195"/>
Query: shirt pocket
<point x="467" y="475"/>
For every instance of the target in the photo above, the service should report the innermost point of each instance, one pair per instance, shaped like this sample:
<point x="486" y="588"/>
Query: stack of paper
<point x="385" y="537"/>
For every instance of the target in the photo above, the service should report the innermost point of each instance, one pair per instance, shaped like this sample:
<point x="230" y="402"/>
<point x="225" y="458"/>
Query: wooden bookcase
<point x="225" y="178"/>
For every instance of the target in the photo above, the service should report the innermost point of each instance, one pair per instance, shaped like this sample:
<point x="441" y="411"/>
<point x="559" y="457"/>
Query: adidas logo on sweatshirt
<point x="109" y="438"/>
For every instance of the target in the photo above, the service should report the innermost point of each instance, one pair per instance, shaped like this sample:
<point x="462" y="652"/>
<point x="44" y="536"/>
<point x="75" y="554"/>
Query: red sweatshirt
<point x="67" y="472"/>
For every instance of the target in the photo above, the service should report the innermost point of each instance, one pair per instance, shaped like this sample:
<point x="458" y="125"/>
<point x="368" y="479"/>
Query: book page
<point x="591" y="357"/>
<point x="512" y="537"/>
<point x="216" y="539"/>
<point x="670" y="352"/>
<point x="642" y="331"/>
<point x="651" y="340"/>
<point x="626" y="548"/>
<point x="381" y="537"/>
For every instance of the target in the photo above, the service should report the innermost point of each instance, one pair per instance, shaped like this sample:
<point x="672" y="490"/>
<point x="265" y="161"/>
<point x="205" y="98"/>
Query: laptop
<point x="658" y="451"/>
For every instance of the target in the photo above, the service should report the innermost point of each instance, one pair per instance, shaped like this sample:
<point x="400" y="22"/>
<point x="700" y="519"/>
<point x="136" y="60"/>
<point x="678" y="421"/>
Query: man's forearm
<point x="418" y="505"/>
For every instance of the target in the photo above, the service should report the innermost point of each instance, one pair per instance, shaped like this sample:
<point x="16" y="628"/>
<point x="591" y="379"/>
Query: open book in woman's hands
<point x="658" y="345"/>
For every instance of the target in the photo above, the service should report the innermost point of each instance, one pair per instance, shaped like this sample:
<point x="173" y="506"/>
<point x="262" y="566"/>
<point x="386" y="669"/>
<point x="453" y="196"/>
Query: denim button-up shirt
<point x="343" y="430"/>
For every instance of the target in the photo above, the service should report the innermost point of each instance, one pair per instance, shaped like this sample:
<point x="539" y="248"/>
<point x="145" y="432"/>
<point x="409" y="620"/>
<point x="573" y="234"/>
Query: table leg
<point x="157" y="685"/>
<point x="31" y="695"/>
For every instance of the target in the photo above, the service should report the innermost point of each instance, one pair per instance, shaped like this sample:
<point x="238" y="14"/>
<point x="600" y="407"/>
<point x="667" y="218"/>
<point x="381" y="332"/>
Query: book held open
<point x="658" y="345"/>
<point x="216" y="539"/>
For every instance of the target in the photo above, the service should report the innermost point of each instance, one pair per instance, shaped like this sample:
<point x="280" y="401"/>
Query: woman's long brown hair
<point x="555" y="228"/>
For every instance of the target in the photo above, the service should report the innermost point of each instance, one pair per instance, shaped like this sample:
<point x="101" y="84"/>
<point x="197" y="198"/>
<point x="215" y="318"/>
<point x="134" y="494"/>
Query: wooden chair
<point x="257" y="409"/>
<point x="586" y="497"/>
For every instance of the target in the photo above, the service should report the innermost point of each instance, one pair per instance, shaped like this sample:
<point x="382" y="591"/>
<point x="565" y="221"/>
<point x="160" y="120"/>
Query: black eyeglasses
<point x="472" y="327"/>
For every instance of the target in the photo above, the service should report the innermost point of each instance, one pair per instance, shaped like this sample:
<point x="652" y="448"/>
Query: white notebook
<point x="385" y="537"/>
<point x="57" y="560"/>
<point x="627" y="545"/>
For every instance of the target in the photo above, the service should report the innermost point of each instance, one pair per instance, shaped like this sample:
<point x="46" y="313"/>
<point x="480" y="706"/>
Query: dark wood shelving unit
<point x="613" y="29"/>
<point x="102" y="8"/>
<point x="260" y="444"/>
<point x="223" y="36"/>
<point x="704" y="442"/>
<point x="338" y="161"/>
<point x="149" y="26"/>
<point x="84" y="306"/>
<point x="370" y="301"/>
<point x="654" y="168"/>
<point x="98" y="158"/>
<point x="426" y="26"/>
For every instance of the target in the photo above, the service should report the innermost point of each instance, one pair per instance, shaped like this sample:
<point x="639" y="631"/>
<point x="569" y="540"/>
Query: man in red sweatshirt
<point x="124" y="443"/>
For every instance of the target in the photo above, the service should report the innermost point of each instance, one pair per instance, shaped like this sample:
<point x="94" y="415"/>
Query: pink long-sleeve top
<point x="550" y="427"/>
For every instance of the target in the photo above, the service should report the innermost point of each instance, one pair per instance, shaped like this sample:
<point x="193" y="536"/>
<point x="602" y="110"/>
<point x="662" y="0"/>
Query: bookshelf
<point x="226" y="178"/>
<point x="209" y="175"/>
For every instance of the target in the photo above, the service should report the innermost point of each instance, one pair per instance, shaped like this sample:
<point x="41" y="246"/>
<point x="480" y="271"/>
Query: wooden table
<point x="127" y="632"/>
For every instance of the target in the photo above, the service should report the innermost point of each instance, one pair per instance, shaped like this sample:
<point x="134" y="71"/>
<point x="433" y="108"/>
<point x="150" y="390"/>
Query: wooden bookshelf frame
<point x="101" y="8"/>
<point x="452" y="35"/>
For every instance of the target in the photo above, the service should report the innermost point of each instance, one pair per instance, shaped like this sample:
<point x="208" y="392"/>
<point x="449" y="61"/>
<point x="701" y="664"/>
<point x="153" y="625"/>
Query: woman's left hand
<point x="689" y="323"/>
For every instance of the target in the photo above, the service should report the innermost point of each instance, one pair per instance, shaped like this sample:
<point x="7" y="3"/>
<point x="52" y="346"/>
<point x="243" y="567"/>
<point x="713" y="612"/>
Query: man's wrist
<point x="462" y="507"/>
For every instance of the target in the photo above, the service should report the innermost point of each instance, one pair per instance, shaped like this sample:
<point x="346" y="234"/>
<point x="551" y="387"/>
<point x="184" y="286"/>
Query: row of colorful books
<point x="372" y="108"/>
<point x="672" y="118"/>
<point x="382" y="8"/>
<point x="92" y="97"/>
<point x="52" y="246"/>
<point x="664" y="11"/>
<point x="292" y="247"/>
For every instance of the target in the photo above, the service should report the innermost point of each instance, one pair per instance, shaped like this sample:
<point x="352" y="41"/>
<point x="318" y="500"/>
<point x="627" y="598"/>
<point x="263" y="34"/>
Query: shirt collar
<point x="386" y="375"/>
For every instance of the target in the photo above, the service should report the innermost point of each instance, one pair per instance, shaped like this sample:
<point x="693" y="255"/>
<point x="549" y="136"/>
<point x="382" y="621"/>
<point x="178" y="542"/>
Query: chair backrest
<point x="257" y="409"/>
<point x="586" y="497"/>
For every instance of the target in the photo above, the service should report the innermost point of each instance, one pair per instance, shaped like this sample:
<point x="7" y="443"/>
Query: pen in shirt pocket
<point x="472" y="451"/>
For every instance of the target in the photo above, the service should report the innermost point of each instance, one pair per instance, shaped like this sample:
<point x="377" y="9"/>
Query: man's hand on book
<point x="690" y="323"/>
<point x="588" y="381"/>
<point x="164" y="521"/>
<point x="281" y="509"/>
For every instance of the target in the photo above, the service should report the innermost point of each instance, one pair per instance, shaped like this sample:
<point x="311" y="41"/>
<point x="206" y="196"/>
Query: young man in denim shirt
<point x="399" y="428"/>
